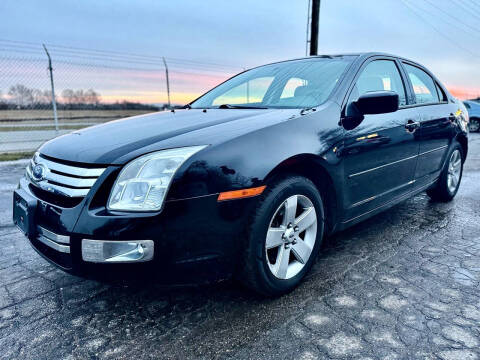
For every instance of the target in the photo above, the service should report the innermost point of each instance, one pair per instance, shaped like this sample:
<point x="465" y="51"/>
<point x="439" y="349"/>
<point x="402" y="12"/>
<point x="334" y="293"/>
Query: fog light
<point x="105" y="251"/>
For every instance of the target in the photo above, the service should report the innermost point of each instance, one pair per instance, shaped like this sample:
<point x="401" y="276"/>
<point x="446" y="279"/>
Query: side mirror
<point x="375" y="102"/>
<point x="378" y="102"/>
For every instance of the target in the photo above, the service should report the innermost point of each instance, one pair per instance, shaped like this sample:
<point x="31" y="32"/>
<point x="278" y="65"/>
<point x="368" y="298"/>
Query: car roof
<point x="360" y="55"/>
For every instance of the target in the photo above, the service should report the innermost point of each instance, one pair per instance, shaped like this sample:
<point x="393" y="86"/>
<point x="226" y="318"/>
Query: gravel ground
<point x="402" y="285"/>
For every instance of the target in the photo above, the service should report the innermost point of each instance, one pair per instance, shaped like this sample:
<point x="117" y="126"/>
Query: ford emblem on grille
<point x="39" y="172"/>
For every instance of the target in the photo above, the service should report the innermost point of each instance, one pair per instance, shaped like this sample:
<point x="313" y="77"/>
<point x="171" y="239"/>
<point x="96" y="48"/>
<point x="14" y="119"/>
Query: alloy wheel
<point x="454" y="171"/>
<point x="474" y="125"/>
<point x="291" y="237"/>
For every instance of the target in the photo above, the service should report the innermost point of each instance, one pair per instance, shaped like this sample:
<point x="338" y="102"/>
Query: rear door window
<point x="424" y="87"/>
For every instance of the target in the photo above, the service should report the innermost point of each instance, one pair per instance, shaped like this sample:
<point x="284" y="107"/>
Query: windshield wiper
<point x="307" y="110"/>
<point x="229" y="106"/>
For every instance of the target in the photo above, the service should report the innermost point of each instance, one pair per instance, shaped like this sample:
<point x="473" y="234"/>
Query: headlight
<point x="144" y="182"/>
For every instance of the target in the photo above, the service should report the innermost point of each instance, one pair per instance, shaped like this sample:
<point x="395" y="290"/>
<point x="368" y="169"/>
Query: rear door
<point x="380" y="154"/>
<point x="436" y="118"/>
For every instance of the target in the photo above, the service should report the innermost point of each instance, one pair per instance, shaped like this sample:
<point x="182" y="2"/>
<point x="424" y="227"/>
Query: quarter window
<point x="423" y="85"/>
<point x="377" y="76"/>
<point x="441" y="93"/>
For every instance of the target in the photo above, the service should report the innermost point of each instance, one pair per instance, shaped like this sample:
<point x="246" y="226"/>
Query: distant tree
<point x="79" y="97"/>
<point x="41" y="97"/>
<point x="76" y="98"/>
<point x="68" y="96"/>
<point x="21" y="95"/>
<point x="92" y="97"/>
<point x="3" y="103"/>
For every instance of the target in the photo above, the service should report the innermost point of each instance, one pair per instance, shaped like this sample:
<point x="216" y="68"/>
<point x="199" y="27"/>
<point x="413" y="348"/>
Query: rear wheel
<point x="449" y="181"/>
<point x="284" y="236"/>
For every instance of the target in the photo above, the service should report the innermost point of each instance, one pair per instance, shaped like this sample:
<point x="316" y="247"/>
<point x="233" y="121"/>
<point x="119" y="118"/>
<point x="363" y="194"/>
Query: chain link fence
<point x="91" y="87"/>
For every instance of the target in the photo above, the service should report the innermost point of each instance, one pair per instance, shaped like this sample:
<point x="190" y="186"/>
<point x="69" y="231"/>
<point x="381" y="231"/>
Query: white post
<point x="54" y="103"/>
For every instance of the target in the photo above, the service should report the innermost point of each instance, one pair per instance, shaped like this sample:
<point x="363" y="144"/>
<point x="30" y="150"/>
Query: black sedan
<point x="248" y="179"/>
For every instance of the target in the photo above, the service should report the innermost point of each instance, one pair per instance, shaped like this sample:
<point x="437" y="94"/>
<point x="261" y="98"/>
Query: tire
<point x="262" y="270"/>
<point x="474" y="125"/>
<point x="442" y="191"/>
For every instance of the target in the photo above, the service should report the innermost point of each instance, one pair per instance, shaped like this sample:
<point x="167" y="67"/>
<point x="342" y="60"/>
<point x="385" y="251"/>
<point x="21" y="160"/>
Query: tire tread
<point x="248" y="272"/>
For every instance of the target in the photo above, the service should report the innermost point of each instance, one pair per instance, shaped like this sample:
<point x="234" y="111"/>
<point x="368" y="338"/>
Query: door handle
<point x="412" y="125"/>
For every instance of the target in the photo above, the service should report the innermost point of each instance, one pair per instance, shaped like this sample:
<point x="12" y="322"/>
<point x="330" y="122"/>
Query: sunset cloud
<point x="230" y="34"/>
<point x="463" y="93"/>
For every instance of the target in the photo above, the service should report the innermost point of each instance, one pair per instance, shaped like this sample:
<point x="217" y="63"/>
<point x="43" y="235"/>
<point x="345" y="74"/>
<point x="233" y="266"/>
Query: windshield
<point x="292" y="84"/>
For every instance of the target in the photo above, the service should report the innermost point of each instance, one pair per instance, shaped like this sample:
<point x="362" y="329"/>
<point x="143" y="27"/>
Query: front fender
<point x="247" y="160"/>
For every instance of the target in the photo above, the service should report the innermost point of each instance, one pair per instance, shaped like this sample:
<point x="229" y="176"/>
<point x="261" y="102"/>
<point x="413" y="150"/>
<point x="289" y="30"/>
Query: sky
<point x="207" y="41"/>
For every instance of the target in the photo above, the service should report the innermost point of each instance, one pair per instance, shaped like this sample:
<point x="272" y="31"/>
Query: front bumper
<point x="99" y="251"/>
<point x="193" y="240"/>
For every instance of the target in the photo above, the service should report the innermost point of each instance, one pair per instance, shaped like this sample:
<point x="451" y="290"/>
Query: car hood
<point x="119" y="141"/>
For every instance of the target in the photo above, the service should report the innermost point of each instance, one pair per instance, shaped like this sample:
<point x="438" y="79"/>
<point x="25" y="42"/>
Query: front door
<point x="380" y="154"/>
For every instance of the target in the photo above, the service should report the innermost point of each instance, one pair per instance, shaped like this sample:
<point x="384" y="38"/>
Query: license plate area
<point x="24" y="207"/>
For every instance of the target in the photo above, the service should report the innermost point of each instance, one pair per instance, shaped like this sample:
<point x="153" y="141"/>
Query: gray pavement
<point x="402" y="285"/>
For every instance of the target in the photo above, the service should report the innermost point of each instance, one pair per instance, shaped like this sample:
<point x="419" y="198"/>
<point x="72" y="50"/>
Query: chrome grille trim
<point x="53" y="240"/>
<point x="67" y="180"/>
<point x="72" y="181"/>
<point x="68" y="169"/>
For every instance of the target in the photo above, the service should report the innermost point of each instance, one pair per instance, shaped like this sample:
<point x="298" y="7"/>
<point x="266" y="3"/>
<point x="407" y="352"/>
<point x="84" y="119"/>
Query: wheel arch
<point x="315" y="169"/>
<point x="463" y="141"/>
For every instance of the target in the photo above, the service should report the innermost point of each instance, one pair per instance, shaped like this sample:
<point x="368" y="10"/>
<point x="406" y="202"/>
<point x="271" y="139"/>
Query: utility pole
<point x="314" y="27"/>
<point x="54" y="103"/>
<point x="168" y="82"/>
<point x="309" y="21"/>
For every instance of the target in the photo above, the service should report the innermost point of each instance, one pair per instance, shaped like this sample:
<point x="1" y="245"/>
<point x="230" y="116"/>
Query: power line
<point x="470" y="7"/>
<point x="467" y="9"/>
<point x="86" y="51"/>
<point x="460" y="21"/>
<point x="60" y="56"/>
<point x="60" y="62"/>
<point x="104" y="52"/>
<point x="74" y="54"/>
<point x="473" y="4"/>
<point x="457" y="44"/>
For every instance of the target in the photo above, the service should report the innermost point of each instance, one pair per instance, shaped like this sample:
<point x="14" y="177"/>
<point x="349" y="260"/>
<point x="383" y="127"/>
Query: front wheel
<point x="449" y="181"/>
<point x="284" y="237"/>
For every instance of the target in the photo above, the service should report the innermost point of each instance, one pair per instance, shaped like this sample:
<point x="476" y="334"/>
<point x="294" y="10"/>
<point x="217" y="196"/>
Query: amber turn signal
<point x="239" y="194"/>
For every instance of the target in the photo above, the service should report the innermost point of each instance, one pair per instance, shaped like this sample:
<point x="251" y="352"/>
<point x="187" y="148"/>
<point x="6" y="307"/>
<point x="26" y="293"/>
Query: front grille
<point x="59" y="180"/>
